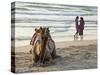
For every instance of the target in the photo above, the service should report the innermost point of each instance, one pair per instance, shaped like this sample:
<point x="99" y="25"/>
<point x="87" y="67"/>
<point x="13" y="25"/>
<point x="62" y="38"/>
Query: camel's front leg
<point x="32" y="55"/>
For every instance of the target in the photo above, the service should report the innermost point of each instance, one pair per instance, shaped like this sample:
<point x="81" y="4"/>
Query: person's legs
<point x="81" y="35"/>
<point x="76" y="36"/>
<point x="77" y="31"/>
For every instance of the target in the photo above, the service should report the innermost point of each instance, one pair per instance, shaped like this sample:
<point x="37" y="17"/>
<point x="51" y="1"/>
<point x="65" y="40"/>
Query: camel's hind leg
<point x="53" y="54"/>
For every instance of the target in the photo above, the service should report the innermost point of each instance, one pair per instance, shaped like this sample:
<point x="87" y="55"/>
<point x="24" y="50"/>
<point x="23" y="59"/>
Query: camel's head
<point x="46" y="32"/>
<point x="40" y="34"/>
<point x="39" y="31"/>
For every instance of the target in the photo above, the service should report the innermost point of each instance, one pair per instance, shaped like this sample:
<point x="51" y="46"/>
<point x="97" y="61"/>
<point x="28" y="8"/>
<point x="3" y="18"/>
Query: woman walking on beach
<point x="76" y="25"/>
<point x="81" y="27"/>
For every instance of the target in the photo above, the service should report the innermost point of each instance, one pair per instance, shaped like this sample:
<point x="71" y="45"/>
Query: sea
<point x="60" y="18"/>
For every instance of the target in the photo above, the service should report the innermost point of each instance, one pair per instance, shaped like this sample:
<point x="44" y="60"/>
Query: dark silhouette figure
<point x="76" y="25"/>
<point x="81" y="27"/>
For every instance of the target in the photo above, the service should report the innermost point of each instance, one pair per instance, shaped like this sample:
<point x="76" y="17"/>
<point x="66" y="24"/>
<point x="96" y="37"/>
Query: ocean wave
<point x="23" y="26"/>
<point x="58" y="14"/>
<point x="23" y="20"/>
<point x="29" y="38"/>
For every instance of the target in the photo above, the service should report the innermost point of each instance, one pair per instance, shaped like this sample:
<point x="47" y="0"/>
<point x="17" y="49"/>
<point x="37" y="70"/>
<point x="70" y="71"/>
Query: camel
<point x="50" y="44"/>
<point x="43" y="47"/>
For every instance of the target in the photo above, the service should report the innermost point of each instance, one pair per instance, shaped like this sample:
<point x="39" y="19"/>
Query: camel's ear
<point x="41" y="28"/>
<point x="35" y="29"/>
<point x="48" y="28"/>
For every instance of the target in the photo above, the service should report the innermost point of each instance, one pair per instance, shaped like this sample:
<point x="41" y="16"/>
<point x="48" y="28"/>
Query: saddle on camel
<point x="43" y="46"/>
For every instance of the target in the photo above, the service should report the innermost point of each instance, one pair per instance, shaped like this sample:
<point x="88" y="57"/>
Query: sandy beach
<point x="64" y="44"/>
<point x="74" y="55"/>
<point x="60" y="21"/>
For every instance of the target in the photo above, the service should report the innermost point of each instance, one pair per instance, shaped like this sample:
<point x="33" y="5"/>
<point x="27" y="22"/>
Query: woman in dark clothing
<point x="81" y="27"/>
<point x="76" y="23"/>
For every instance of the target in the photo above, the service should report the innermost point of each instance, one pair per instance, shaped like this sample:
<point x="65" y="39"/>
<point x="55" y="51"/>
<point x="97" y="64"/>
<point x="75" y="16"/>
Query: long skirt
<point x="80" y="31"/>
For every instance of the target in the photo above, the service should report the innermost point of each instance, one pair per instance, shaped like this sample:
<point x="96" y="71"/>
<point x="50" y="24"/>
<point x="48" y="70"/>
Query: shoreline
<point x="19" y="43"/>
<point x="64" y="44"/>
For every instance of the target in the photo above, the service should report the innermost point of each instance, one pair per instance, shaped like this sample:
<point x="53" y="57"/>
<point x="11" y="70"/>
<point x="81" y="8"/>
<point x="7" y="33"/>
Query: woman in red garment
<point x="81" y="27"/>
